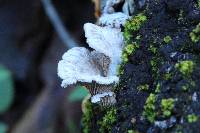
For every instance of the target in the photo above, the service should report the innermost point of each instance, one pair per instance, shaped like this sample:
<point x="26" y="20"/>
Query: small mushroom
<point x="96" y="70"/>
<point x="78" y="66"/>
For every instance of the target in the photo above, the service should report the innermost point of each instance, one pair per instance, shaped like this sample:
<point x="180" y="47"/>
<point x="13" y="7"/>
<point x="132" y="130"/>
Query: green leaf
<point x="78" y="94"/>
<point x="3" y="127"/>
<point x="6" y="89"/>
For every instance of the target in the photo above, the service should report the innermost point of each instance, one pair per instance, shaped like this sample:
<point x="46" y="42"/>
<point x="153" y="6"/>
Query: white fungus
<point x="106" y="40"/>
<point x="115" y="20"/>
<point x="97" y="98"/>
<point x="97" y="69"/>
<point x="77" y="66"/>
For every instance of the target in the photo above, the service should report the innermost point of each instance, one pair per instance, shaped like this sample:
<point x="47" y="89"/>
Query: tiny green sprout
<point x="143" y="87"/>
<point x="195" y="34"/>
<point x="167" y="39"/>
<point x="157" y="88"/>
<point x="185" y="67"/>
<point x="192" y="118"/>
<point x="149" y="108"/>
<point x="167" y="106"/>
<point x="108" y="120"/>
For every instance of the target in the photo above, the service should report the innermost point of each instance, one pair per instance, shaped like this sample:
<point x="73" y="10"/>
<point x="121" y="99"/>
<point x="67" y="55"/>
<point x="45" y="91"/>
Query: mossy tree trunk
<point x="159" y="88"/>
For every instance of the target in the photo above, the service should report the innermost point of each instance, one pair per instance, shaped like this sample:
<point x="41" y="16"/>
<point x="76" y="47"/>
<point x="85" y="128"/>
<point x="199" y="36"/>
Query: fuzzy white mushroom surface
<point x="115" y="20"/>
<point x="77" y="66"/>
<point x="106" y="40"/>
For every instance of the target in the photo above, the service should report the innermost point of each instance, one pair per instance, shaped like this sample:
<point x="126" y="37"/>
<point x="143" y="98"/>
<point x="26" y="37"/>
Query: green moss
<point x="133" y="131"/>
<point x="144" y="87"/>
<point x="128" y="50"/>
<point x="153" y="49"/>
<point x="192" y="118"/>
<point x="120" y="70"/>
<point x="133" y="25"/>
<point x="107" y="121"/>
<point x="167" y="76"/>
<point x="167" y="39"/>
<point x="154" y="65"/>
<point x="167" y="106"/>
<point x="131" y="44"/>
<point x="87" y="117"/>
<point x="185" y="67"/>
<point x="157" y="88"/>
<point x="195" y="34"/>
<point x="149" y="108"/>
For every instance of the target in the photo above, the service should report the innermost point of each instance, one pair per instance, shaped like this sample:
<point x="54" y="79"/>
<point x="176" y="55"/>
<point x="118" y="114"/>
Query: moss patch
<point x="167" y="39"/>
<point x="107" y="121"/>
<point x="87" y="117"/>
<point x="128" y="50"/>
<point x="144" y="87"/>
<point x="195" y="34"/>
<point x="167" y="106"/>
<point x="192" y="118"/>
<point x="185" y="67"/>
<point x="149" y="108"/>
<point x="133" y="25"/>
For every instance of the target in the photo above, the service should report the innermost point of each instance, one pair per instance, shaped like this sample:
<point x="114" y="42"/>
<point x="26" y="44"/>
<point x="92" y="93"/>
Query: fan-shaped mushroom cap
<point x="77" y="66"/>
<point x="106" y="40"/>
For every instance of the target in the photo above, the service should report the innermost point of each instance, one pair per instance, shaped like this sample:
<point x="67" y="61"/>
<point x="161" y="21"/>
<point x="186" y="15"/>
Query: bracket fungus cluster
<point x="96" y="70"/>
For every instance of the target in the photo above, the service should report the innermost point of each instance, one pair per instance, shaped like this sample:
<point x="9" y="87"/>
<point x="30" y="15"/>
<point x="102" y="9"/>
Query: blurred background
<point x="34" y="34"/>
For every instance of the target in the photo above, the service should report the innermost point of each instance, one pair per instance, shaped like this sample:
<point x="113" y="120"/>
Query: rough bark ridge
<point x="159" y="89"/>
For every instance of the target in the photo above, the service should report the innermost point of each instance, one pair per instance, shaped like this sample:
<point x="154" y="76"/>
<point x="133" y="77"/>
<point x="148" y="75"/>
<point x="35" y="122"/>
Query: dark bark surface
<point x="157" y="64"/>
